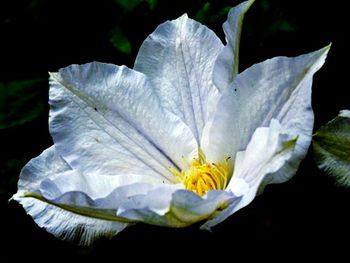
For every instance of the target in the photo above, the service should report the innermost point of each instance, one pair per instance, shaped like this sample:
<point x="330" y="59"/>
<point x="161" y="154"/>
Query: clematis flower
<point x="179" y="139"/>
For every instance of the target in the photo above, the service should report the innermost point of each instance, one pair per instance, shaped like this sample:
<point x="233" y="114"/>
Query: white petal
<point x="277" y="88"/>
<point x="222" y="215"/>
<point x="268" y="150"/>
<point x="62" y="223"/>
<point x="104" y="207"/>
<point x="226" y="65"/>
<point x="67" y="225"/>
<point x="106" y="119"/>
<point x="94" y="195"/>
<point x="95" y="186"/>
<point x="179" y="57"/>
<point x="37" y="169"/>
<point x="168" y="206"/>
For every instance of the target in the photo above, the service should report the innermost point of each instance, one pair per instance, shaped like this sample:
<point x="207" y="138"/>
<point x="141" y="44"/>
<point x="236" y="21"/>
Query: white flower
<point x="179" y="139"/>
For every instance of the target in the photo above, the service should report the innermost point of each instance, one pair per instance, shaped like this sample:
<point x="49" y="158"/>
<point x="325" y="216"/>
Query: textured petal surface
<point x="277" y="88"/>
<point x="69" y="226"/>
<point x="62" y="223"/>
<point x="268" y="150"/>
<point x="226" y="65"/>
<point x="167" y="206"/>
<point x="107" y="120"/>
<point x="148" y="202"/>
<point x="179" y="58"/>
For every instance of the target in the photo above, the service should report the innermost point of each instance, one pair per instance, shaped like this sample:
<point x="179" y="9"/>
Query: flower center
<point x="202" y="176"/>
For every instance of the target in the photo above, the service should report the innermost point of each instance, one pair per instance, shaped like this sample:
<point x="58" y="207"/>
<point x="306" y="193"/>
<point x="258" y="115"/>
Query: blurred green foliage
<point x="281" y="25"/>
<point x="203" y="12"/>
<point x="119" y="40"/>
<point x="129" y="5"/>
<point x="20" y="102"/>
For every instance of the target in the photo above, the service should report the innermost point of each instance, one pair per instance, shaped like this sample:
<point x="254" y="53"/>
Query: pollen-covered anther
<point x="202" y="176"/>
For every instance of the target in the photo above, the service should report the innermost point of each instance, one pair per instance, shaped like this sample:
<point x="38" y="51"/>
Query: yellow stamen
<point x="202" y="176"/>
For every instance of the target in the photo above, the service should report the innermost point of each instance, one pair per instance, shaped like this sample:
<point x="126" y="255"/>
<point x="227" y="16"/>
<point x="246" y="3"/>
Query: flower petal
<point x="268" y="150"/>
<point x="158" y="204"/>
<point x="168" y="206"/>
<point x="58" y="221"/>
<point x="69" y="226"/>
<point x="48" y="163"/>
<point x="179" y="57"/>
<point x="277" y="88"/>
<point x="95" y="186"/>
<point x="226" y="65"/>
<point x="106" y="119"/>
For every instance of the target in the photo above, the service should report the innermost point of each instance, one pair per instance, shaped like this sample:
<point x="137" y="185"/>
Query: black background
<point x="307" y="216"/>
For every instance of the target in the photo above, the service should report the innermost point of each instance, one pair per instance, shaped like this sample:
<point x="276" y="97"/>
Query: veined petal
<point x="226" y="65"/>
<point x="69" y="226"/>
<point x="95" y="186"/>
<point x="278" y="88"/>
<point x="60" y="222"/>
<point x="106" y="119"/>
<point x="179" y="57"/>
<point x="162" y="204"/>
<point x="268" y="150"/>
<point x="169" y="206"/>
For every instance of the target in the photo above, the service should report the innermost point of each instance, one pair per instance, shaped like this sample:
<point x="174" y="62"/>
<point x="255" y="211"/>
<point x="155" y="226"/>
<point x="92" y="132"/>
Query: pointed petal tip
<point x="206" y="227"/>
<point x="328" y="47"/>
<point x="325" y="50"/>
<point x="182" y="17"/>
<point x="249" y="3"/>
<point x="243" y="7"/>
<point x="53" y="75"/>
<point x="319" y="57"/>
<point x="16" y="196"/>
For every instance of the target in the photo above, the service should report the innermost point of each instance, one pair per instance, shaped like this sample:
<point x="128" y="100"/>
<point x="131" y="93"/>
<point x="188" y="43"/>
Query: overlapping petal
<point x="179" y="58"/>
<point x="268" y="150"/>
<point x="106" y="119"/>
<point x="180" y="208"/>
<point x="132" y="199"/>
<point x="278" y="88"/>
<point x="226" y="65"/>
<point x="120" y="133"/>
<point x="60" y="199"/>
<point x="63" y="223"/>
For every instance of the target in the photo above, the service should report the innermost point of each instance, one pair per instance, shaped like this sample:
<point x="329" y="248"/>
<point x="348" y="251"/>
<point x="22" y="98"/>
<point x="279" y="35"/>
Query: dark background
<point x="308" y="214"/>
